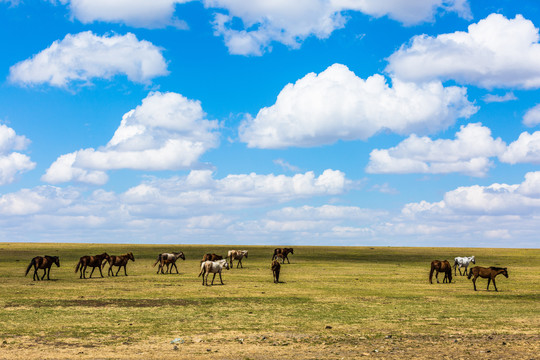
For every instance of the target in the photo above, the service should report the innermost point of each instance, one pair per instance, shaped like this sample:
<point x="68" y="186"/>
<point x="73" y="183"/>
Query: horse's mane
<point x="496" y="268"/>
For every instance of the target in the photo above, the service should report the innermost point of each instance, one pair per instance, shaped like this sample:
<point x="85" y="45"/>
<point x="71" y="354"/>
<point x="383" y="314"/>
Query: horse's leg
<point x="93" y="268"/>
<point x="287" y="257"/>
<point x="83" y="271"/>
<point x="459" y="268"/>
<point x="474" y="282"/>
<point x="213" y="278"/>
<point x="174" y="264"/>
<point x="437" y="276"/>
<point x="100" y="273"/>
<point x="36" y="273"/>
<point x="44" y="273"/>
<point x="49" y="273"/>
<point x="240" y="261"/>
<point x="125" y="270"/>
<point x="220" y="279"/>
<point x="117" y="271"/>
<point x="495" y="286"/>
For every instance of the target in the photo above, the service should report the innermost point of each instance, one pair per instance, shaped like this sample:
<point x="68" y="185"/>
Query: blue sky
<point x="335" y="122"/>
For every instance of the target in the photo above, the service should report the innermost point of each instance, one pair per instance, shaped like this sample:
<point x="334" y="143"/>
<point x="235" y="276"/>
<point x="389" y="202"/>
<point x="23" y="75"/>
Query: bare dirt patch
<point x="279" y="346"/>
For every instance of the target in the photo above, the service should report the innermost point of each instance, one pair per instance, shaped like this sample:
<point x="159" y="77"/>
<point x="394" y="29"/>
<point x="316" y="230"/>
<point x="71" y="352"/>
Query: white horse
<point x="463" y="262"/>
<point x="237" y="255"/>
<point x="214" y="267"/>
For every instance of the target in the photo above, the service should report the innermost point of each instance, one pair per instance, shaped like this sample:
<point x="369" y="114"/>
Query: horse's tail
<point x="431" y="274"/>
<point x="29" y="267"/>
<point x="78" y="265"/>
<point x="203" y="270"/>
<point x="158" y="260"/>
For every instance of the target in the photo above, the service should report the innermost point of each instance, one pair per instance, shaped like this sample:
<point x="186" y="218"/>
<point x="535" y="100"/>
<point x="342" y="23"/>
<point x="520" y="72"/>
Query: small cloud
<point x="490" y="98"/>
<point x="286" y="166"/>
<point x="532" y="117"/>
<point x="384" y="188"/>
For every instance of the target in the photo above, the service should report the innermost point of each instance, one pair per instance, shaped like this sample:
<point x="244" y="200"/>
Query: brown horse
<point x="441" y="266"/>
<point x="490" y="273"/>
<point x="94" y="262"/>
<point x="168" y="259"/>
<point x="120" y="261"/>
<point x="276" y="267"/>
<point x="43" y="262"/>
<point x="283" y="251"/>
<point x="211" y="257"/>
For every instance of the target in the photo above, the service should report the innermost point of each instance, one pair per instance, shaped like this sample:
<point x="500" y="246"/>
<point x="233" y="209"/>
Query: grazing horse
<point x="441" y="266"/>
<point x="211" y="257"/>
<point x="43" y="262"/>
<point x="120" y="261"/>
<point x="94" y="262"/>
<point x="490" y="273"/>
<point x="276" y="267"/>
<point x="237" y="255"/>
<point x="463" y="262"/>
<point x="168" y="259"/>
<point x="214" y="267"/>
<point x="283" y="251"/>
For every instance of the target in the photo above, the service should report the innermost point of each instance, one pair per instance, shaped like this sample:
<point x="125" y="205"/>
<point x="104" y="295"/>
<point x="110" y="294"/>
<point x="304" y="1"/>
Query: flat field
<point x="333" y="303"/>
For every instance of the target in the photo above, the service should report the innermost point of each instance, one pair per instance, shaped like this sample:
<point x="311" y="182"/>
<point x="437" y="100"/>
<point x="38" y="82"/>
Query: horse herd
<point x="214" y="264"/>
<point x="210" y="263"/>
<point x="490" y="273"/>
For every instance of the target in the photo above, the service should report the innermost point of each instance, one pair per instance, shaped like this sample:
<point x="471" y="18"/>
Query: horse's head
<point x="505" y="272"/>
<point x="131" y="257"/>
<point x="245" y="253"/>
<point x="226" y="264"/>
<point x="56" y="261"/>
<point x="182" y="256"/>
<point x="472" y="260"/>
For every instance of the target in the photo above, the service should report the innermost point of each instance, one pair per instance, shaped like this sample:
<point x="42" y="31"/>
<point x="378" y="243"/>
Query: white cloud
<point x="526" y="149"/>
<point x="490" y="98"/>
<point x="12" y="163"/>
<point x="290" y="22"/>
<point x="85" y="56"/>
<point x="258" y="23"/>
<point x="326" y="212"/>
<point x="41" y="199"/>
<point x="197" y="206"/>
<point x="493" y="200"/>
<point x="495" y="52"/>
<point x="337" y="105"/>
<point x="166" y="132"/>
<point x="501" y="215"/>
<point x="469" y="154"/>
<point x="532" y="117"/>
<point x="137" y="13"/>
<point x="200" y="189"/>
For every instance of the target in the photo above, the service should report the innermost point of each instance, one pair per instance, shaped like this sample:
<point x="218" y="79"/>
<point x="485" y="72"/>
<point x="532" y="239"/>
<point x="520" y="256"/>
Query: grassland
<point x="333" y="303"/>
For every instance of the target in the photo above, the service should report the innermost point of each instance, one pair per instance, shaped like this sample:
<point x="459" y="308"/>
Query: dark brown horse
<point x="168" y="259"/>
<point x="441" y="266"/>
<point x="94" y="262"/>
<point x="276" y="267"/>
<point x="490" y="273"/>
<point x="120" y="261"/>
<point x="283" y="251"/>
<point x="43" y="262"/>
<point x="211" y="257"/>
